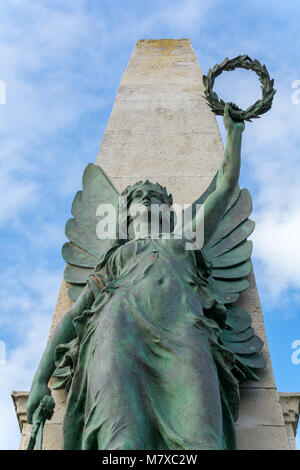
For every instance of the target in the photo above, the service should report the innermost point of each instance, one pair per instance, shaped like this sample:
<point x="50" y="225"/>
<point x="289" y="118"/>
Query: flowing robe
<point x="148" y="368"/>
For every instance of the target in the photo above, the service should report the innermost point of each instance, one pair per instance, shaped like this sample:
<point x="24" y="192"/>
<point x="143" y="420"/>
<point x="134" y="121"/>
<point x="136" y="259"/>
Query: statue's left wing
<point x="84" y="249"/>
<point x="228" y="253"/>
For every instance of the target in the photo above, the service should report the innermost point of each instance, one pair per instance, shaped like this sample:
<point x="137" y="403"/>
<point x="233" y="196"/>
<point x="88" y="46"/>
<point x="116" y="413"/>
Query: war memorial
<point x="157" y="339"/>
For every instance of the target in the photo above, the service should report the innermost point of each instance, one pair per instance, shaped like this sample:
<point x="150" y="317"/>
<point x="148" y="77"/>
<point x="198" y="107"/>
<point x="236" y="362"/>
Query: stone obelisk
<point x="161" y="129"/>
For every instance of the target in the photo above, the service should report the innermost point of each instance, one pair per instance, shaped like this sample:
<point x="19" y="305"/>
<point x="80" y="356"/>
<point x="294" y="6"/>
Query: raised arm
<point x="63" y="333"/>
<point x="228" y="175"/>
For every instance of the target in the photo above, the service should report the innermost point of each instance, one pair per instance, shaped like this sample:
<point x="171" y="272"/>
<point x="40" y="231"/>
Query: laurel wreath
<point x="245" y="62"/>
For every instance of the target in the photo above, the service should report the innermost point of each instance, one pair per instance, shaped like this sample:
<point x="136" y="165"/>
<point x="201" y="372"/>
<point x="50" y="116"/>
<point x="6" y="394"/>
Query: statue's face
<point x="148" y="194"/>
<point x="149" y="211"/>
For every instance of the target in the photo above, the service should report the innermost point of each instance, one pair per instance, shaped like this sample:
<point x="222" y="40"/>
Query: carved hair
<point x="126" y="197"/>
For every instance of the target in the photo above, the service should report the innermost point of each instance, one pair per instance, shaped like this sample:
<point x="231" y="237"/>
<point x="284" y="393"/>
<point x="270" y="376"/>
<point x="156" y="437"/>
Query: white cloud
<point x="276" y="242"/>
<point x="17" y="374"/>
<point x="275" y="168"/>
<point x="29" y="312"/>
<point x="61" y="62"/>
<point x="183" y="17"/>
<point x="47" y="91"/>
<point x="270" y="170"/>
<point x="39" y="67"/>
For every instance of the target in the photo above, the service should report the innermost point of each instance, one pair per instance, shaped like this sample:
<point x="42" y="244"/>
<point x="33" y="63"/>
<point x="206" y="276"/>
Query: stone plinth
<point x="20" y="402"/>
<point x="290" y="403"/>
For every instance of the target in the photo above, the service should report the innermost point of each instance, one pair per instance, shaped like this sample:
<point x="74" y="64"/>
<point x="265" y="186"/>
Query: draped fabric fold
<point x="147" y="369"/>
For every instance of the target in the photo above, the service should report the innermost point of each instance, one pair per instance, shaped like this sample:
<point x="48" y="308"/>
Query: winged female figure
<point x="154" y="347"/>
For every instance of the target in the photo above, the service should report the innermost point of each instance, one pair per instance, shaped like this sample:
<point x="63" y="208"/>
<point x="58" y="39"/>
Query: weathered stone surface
<point x="249" y="300"/>
<point x="59" y="397"/>
<point x="260" y="407"/>
<point x="160" y="114"/>
<point x="25" y="436"/>
<point x="63" y="304"/>
<point x="259" y="437"/>
<point x="20" y="402"/>
<point x="52" y="436"/>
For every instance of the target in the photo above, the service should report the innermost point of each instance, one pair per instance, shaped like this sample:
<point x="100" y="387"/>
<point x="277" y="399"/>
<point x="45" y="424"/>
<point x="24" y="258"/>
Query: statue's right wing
<point x="84" y="249"/>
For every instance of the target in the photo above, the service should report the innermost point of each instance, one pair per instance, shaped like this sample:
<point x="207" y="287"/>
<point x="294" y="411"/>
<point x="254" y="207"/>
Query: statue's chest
<point x="145" y="251"/>
<point x="136" y="248"/>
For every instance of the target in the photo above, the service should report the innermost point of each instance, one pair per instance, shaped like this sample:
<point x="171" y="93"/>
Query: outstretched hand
<point x="229" y="123"/>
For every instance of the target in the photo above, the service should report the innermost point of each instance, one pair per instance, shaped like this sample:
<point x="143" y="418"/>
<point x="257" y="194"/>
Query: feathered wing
<point x="228" y="254"/>
<point x="84" y="249"/>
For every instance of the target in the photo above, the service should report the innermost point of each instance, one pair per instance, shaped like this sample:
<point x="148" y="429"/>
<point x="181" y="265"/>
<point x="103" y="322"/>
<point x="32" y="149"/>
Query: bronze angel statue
<point x="154" y="347"/>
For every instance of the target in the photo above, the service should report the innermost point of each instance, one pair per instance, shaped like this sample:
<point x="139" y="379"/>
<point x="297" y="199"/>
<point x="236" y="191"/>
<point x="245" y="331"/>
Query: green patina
<point x="154" y="347"/>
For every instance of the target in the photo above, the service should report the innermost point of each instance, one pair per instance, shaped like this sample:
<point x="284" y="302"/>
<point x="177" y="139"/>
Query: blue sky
<point x="62" y="63"/>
